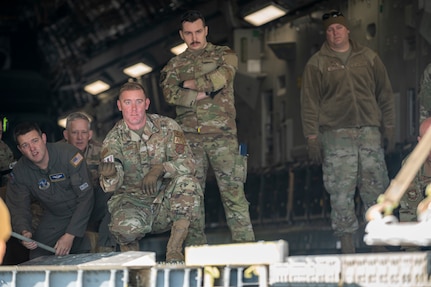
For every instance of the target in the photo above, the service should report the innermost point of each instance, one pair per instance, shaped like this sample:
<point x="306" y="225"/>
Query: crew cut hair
<point x="131" y="86"/>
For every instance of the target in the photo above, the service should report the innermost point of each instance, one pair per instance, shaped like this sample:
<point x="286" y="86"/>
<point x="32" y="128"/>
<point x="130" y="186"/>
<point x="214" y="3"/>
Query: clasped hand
<point x="107" y="169"/>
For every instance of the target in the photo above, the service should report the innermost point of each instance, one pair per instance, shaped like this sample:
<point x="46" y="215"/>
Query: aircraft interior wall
<point x="395" y="29"/>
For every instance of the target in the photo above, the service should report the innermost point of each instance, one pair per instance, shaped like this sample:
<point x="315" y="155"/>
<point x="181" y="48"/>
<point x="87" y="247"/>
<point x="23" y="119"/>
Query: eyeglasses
<point x="334" y="14"/>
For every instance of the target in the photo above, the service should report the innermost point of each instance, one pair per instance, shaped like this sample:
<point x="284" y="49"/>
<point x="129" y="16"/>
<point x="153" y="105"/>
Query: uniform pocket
<point x="241" y="168"/>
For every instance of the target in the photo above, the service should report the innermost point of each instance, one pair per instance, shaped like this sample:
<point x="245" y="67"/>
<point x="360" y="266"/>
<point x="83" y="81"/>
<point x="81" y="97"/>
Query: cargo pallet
<point x="260" y="264"/>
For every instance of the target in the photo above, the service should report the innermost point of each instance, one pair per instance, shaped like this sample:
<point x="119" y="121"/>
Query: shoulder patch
<point x="76" y="159"/>
<point x="179" y="138"/>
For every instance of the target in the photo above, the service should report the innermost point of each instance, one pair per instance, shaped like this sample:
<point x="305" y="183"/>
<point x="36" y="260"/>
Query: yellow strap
<point x="250" y="271"/>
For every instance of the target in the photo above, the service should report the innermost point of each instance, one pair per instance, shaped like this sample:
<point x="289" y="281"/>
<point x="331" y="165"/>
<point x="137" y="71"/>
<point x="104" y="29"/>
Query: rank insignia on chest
<point x="43" y="184"/>
<point x="57" y="177"/>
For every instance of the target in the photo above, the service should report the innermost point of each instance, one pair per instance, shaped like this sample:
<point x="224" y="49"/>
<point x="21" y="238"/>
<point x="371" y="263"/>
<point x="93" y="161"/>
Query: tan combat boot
<point x="347" y="244"/>
<point x="132" y="246"/>
<point x="174" y="249"/>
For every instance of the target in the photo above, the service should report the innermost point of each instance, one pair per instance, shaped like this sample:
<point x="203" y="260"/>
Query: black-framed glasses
<point x="334" y="14"/>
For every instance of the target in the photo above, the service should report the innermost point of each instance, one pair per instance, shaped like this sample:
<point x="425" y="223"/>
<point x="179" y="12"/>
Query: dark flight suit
<point x="65" y="192"/>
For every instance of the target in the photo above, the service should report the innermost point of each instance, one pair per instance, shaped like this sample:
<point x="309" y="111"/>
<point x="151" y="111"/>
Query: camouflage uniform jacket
<point x="6" y="156"/>
<point x="416" y="190"/>
<point x="335" y="95"/>
<point x="214" y="70"/>
<point x="162" y="142"/>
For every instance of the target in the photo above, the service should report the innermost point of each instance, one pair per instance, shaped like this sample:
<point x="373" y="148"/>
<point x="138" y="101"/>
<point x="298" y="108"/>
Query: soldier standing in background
<point x="347" y="108"/>
<point x="78" y="132"/>
<point x="149" y="167"/>
<point x="199" y="82"/>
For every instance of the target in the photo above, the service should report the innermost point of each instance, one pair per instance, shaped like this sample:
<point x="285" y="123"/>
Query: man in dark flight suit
<point x="56" y="175"/>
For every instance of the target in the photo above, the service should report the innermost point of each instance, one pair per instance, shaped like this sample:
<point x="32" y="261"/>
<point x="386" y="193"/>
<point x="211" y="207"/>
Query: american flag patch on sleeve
<point x="76" y="159"/>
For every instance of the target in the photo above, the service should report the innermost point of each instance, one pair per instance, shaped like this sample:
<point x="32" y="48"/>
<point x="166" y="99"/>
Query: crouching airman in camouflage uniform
<point x="415" y="192"/>
<point x="149" y="167"/>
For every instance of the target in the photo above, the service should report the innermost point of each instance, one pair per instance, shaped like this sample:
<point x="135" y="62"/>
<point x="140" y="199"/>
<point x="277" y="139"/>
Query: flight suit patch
<point x="43" y="184"/>
<point x="83" y="186"/>
<point x="57" y="177"/>
<point x="77" y="159"/>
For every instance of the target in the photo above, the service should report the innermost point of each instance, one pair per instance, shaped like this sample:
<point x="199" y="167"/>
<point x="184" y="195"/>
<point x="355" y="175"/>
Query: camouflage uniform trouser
<point x="132" y="218"/>
<point x="230" y="169"/>
<point x="352" y="158"/>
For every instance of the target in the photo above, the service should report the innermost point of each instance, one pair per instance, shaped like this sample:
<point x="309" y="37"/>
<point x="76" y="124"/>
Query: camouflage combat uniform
<point x="92" y="157"/>
<point x="425" y="94"/>
<point x="347" y="105"/>
<point x="6" y="158"/>
<point x="134" y="213"/>
<point x="352" y="158"/>
<point x="210" y="128"/>
<point x="414" y="193"/>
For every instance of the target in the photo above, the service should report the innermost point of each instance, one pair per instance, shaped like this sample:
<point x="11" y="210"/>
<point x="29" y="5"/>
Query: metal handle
<point x="41" y="245"/>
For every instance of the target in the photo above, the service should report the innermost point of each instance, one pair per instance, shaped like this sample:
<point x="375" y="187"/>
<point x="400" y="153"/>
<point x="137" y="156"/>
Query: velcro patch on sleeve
<point x="76" y="159"/>
<point x="179" y="138"/>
